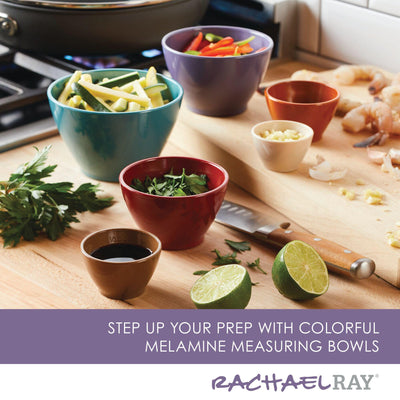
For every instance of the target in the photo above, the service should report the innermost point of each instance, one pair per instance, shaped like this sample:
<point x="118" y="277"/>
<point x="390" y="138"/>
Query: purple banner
<point x="199" y="336"/>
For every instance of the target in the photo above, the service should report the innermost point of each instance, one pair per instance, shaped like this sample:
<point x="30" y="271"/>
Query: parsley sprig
<point x="231" y="258"/>
<point x="29" y="206"/>
<point x="226" y="259"/>
<point x="256" y="264"/>
<point x="172" y="185"/>
<point x="238" y="246"/>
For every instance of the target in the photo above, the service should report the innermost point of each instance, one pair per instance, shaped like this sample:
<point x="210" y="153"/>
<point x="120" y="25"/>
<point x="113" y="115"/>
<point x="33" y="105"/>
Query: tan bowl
<point x="121" y="280"/>
<point x="278" y="155"/>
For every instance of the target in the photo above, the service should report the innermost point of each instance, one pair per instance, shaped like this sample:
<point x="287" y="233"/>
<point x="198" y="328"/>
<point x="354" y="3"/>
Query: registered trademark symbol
<point x="376" y="375"/>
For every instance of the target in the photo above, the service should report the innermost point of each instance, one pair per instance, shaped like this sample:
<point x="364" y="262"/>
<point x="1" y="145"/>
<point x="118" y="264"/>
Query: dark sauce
<point x="121" y="252"/>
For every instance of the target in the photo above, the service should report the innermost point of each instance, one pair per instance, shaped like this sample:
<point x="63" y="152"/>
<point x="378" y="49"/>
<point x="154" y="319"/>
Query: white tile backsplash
<point x="362" y="3"/>
<point x="357" y="35"/>
<point x="308" y="13"/>
<point x="387" y="6"/>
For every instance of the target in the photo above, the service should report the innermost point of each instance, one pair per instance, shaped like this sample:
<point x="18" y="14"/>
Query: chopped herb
<point x="29" y="206"/>
<point x="172" y="185"/>
<point x="201" y="272"/>
<point x="225" y="259"/>
<point x="256" y="264"/>
<point x="238" y="246"/>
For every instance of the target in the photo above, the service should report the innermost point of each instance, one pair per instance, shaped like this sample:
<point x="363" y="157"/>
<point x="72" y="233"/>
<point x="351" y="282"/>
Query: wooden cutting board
<point x="317" y="206"/>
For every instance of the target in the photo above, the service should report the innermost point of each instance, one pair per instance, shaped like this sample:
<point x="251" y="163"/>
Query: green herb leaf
<point x="29" y="206"/>
<point x="238" y="246"/>
<point x="34" y="170"/>
<point x="196" y="183"/>
<point x="256" y="264"/>
<point x="225" y="259"/>
<point x="172" y="185"/>
<point x="138" y="185"/>
<point x="201" y="272"/>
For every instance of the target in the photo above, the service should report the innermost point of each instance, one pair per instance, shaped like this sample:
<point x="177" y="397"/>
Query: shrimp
<point x="348" y="74"/>
<point x="391" y="96"/>
<point x="396" y="79"/>
<point x="345" y="105"/>
<point x="306" y="75"/>
<point x="378" y="114"/>
<point x="378" y="82"/>
<point x="396" y="123"/>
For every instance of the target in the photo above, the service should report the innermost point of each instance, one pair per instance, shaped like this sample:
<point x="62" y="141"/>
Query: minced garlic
<point x="287" y="135"/>
<point x="394" y="238"/>
<point x="373" y="197"/>
<point x="360" y="182"/>
<point x="349" y="194"/>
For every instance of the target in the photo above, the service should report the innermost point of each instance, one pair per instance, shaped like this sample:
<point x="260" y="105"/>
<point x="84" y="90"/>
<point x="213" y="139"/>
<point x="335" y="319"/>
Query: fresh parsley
<point x="238" y="246"/>
<point x="172" y="185"/>
<point x="256" y="264"/>
<point x="200" y="272"/>
<point x="226" y="259"/>
<point x="29" y="206"/>
<point x="231" y="258"/>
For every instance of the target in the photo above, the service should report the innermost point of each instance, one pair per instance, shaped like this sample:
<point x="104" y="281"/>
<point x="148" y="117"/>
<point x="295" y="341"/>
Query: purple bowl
<point x="217" y="86"/>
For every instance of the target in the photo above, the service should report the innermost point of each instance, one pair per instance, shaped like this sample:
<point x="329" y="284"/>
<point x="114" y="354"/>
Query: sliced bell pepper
<point x="203" y="44"/>
<point x="260" y="49"/>
<point x="245" y="49"/>
<point x="194" y="44"/>
<point x="220" y="51"/>
<point x="226" y="41"/>
<point x="211" y="45"/>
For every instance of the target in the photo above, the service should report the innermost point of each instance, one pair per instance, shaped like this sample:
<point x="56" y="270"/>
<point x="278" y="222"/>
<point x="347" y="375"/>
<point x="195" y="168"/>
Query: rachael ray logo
<point x="276" y="383"/>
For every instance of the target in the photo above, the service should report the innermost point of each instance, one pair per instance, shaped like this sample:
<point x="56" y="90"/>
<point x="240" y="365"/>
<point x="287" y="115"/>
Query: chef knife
<point x="336" y="257"/>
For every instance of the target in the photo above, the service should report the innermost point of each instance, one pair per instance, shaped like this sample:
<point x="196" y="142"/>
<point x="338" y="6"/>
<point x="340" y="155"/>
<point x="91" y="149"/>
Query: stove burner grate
<point x="25" y="113"/>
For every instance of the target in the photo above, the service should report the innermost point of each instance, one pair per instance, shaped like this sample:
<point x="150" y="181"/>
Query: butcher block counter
<point x="51" y="275"/>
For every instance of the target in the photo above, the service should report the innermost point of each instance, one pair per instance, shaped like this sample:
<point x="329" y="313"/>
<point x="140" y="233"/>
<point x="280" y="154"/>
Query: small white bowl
<point x="282" y="156"/>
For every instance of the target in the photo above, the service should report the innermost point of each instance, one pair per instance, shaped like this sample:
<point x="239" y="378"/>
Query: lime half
<point x="228" y="286"/>
<point x="299" y="272"/>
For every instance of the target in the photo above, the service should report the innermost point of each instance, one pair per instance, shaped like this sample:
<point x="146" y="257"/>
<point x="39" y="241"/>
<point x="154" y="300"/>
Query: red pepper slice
<point x="203" y="44"/>
<point x="194" y="44"/>
<point x="220" y="51"/>
<point x="260" y="49"/>
<point x="245" y="49"/>
<point x="226" y="41"/>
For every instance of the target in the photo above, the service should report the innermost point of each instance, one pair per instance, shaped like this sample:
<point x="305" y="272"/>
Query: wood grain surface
<point x="315" y="205"/>
<point x="51" y="275"/>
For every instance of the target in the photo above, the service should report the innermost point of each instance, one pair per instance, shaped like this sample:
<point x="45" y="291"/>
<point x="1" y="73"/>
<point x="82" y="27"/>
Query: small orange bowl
<point x="310" y="102"/>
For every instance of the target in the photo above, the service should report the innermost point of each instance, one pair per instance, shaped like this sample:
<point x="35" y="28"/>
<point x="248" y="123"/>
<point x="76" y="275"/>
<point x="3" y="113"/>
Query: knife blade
<point x="336" y="257"/>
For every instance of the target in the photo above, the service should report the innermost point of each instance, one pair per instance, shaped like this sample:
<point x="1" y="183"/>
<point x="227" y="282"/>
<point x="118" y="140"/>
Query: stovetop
<point x="25" y="114"/>
<point x="24" y="111"/>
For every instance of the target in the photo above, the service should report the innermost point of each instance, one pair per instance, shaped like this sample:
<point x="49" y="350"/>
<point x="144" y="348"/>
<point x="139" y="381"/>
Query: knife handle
<point x="336" y="257"/>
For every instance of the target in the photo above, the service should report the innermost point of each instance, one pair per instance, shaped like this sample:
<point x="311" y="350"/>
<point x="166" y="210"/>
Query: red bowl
<point x="179" y="222"/>
<point x="312" y="103"/>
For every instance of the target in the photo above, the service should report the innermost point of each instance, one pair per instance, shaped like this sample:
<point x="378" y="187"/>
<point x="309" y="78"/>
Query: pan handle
<point x="8" y="25"/>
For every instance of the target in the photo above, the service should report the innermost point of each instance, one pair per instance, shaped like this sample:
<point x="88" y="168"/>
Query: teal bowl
<point x="104" y="143"/>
